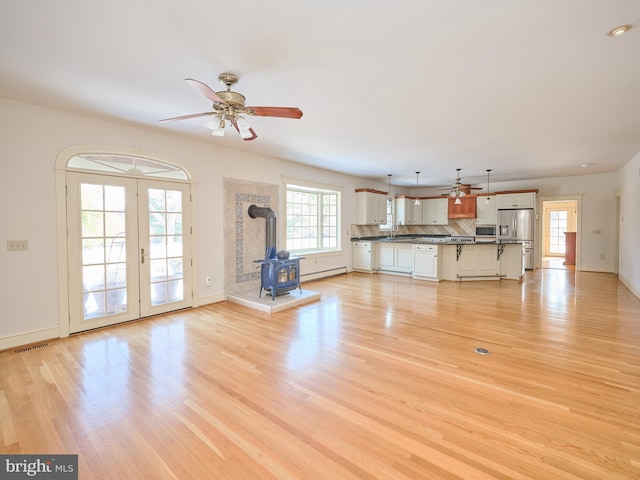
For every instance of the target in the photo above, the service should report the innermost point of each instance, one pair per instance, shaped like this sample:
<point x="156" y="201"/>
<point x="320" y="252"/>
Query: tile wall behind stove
<point x="244" y="237"/>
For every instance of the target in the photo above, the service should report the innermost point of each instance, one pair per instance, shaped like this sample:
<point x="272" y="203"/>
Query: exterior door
<point x="128" y="249"/>
<point x="164" y="246"/>
<point x="559" y="217"/>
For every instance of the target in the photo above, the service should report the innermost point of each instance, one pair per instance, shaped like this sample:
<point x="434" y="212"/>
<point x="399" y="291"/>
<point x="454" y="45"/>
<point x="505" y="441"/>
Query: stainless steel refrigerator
<point x="517" y="225"/>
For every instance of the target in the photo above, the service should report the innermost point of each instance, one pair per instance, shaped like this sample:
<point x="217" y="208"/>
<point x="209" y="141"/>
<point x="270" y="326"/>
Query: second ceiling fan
<point x="228" y="106"/>
<point x="459" y="189"/>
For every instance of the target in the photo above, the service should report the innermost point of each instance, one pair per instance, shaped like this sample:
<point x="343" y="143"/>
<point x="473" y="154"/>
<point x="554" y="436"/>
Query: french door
<point x="128" y="249"/>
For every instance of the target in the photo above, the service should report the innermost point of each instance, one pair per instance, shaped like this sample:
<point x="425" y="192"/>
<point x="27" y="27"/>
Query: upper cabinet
<point x="465" y="209"/>
<point x="371" y="207"/>
<point x="486" y="210"/>
<point x="516" y="199"/>
<point x="434" y="211"/>
<point x="405" y="211"/>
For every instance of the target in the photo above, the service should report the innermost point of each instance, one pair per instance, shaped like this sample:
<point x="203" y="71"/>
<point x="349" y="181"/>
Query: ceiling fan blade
<point x="205" y="90"/>
<point x="246" y="139"/>
<point x="283" y="112"/>
<point x="185" y="117"/>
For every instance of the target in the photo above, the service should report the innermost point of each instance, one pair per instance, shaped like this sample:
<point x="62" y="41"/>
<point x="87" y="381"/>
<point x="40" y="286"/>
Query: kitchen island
<point x="437" y="258"/>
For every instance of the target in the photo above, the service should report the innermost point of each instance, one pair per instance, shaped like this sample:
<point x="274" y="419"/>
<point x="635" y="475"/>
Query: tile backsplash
<point x="463" y="226"/>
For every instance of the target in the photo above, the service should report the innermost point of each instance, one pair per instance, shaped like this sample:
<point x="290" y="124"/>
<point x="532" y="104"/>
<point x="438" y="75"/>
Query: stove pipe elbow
<point x="270" y="224"/>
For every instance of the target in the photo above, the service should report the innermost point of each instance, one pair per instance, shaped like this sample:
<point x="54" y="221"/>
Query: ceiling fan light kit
<point x="230" y="106"/>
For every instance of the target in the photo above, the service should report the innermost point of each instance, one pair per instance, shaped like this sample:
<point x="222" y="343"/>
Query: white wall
<point x="629" y="267"/>
<point x="32" y="137"/>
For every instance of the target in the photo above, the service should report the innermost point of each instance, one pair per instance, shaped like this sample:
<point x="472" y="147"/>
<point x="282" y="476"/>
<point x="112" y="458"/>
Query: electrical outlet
<point x="17" y="245"/>
<point x="602" y="256"/>
<point x="208" y="280"/>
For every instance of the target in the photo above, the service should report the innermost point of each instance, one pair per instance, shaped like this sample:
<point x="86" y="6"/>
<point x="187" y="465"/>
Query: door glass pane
<point x="103" y="249"/>
<point x="165" y="237"/>
<point x="557" y="229"/>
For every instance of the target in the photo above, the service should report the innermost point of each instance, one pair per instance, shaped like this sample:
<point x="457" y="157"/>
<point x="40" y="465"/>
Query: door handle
<point x="142" y="255"/>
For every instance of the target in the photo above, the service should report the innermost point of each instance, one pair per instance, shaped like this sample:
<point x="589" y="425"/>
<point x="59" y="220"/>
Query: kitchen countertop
<point x="429" y="240"/>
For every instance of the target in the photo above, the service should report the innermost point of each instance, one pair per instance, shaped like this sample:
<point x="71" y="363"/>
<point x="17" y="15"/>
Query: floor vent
<point x="31" y="347"/>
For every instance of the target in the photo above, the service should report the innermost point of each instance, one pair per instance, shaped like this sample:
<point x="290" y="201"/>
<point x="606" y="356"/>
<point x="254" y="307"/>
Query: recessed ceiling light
<point x="619" y="31"/>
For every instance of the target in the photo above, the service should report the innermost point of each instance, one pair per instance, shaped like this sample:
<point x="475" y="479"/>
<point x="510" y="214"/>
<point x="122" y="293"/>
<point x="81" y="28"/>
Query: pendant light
<point x="389" y="199"/>
<point x="417" y="202"/>
<point x="488" y="199"/>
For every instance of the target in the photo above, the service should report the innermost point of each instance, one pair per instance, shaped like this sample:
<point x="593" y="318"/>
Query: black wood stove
<point x="280" y="272"/>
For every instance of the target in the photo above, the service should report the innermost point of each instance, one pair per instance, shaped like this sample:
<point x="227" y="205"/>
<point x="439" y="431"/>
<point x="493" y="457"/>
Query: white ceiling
<point x="529" y="88"/>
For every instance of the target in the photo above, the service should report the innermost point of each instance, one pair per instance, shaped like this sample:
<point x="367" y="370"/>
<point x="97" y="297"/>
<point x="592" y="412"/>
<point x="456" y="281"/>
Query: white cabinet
<point x="371" y="207"/>
<point x="404" y="214"/>
<point x="486" y="210"/>
<point x="362" y="256"/>
<point x="386" y="256"/>
<point x="434" y="211"/>
<point x="417" y="213"/>
<point x="425" y="262"/>
<point x="395" y="258"/>
<point x="512" y="261"/>
<point x="516" y="200"/>
<point x="476" y="262"/>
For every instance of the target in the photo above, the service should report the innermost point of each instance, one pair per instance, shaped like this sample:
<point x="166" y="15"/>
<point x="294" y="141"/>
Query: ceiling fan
<point x="228" y="106"/>
<point x="459" y="189"/>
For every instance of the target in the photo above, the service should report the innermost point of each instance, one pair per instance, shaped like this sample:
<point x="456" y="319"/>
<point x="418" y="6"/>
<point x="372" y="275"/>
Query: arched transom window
<point x="120" y="164"/>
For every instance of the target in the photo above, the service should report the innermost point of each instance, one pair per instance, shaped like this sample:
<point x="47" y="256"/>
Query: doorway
<point x="559" y="231"/>
<point x="128" y="249"/>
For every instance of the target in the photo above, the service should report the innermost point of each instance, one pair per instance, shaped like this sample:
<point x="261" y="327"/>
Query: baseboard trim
<point x="26" y="338"/>
<point x="628" y="284"/>
<point x="332" y="272"/>
<point x="219" y="297"/>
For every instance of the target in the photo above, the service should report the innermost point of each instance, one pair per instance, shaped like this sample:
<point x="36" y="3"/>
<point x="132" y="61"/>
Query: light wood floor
<point x="378" y="380"/>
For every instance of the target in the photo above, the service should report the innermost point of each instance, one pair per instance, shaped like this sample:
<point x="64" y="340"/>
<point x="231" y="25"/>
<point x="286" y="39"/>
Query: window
<point x="313" y="223"/>
<point x="387" y="226"/>
<point x="124" y="164"/>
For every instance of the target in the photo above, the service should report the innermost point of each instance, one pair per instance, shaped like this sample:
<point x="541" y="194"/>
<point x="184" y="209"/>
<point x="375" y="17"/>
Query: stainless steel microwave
<point x="486" y="231"/>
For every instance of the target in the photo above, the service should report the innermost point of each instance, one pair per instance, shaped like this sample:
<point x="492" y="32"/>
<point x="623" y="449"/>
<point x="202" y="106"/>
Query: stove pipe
<point x="270" y="223"/>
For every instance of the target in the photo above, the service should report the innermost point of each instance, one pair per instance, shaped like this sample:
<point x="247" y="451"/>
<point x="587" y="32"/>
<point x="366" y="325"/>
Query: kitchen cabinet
<point x="486" y="210"/>
<point x="395" y="258"/>
<point x="512" y="261"/>
<point x="371" y="207"/>
<point x="516" y="200"/>
<point x="465" y="209"/>
<point x="478" y="261"/>
<point x="434" y="211"/>
<point x="470" y="262"/>
<point x="405" y="211"/>
<point x="362" y="256"/>
<point x="425" y="262"/>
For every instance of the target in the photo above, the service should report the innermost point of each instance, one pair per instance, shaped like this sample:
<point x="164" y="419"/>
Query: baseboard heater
<point x="394" y="272"/>
<point x="331" y="272"/>
<point x="460" y="277"/>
